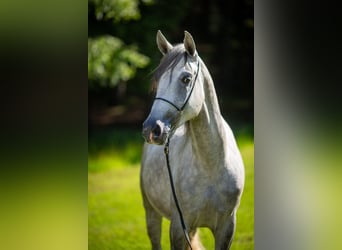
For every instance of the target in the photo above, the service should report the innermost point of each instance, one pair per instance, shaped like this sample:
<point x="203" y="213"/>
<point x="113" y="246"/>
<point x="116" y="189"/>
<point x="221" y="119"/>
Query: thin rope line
<point x="185" y="231"/>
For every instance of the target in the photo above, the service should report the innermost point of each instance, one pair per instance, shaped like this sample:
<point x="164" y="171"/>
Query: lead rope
<point x="185" y="231"/>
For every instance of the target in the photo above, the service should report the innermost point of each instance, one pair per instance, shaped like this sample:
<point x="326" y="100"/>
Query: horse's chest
<point x="215" y="199"/>
<point x="208" y="196"/>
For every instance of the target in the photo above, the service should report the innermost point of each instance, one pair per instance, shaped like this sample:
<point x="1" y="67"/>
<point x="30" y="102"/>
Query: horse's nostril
<point x="157" y="130"/>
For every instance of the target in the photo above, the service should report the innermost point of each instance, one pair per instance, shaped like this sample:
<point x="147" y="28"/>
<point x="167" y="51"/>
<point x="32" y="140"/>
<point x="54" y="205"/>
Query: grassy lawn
<point x="115" y="211"/>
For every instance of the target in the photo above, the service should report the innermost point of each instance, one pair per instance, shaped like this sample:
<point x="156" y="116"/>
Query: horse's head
<point x="179" y="91"/>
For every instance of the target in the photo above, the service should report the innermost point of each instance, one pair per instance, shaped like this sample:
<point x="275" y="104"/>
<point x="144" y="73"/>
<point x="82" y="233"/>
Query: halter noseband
<point x="187" y="98"/>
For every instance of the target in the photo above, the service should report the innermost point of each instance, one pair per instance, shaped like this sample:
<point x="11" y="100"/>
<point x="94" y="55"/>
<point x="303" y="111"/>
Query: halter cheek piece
<point x="187" y="98"/>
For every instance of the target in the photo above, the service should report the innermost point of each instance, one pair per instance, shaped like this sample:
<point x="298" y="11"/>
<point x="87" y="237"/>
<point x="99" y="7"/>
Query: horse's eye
<point x="186" y="79"/>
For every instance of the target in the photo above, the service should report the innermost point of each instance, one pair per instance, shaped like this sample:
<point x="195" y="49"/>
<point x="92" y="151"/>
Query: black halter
<point x="187" y="98"/>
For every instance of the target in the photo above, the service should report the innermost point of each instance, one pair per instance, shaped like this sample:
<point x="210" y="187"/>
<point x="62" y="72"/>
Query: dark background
<point x="223" y="33"/>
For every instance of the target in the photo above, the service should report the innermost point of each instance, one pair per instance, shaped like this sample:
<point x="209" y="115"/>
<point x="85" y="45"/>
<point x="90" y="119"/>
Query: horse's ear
<point x="189" y="44"/>
<point x="163" y="45"/>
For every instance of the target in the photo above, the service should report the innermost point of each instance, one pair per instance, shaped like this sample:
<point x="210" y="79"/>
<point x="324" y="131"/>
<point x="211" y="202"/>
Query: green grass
<point x="116" y="214"/>
<point x="114" y="148"/>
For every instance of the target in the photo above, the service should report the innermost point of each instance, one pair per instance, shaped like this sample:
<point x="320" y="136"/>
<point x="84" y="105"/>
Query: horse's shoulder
<point x="233" y="161"/>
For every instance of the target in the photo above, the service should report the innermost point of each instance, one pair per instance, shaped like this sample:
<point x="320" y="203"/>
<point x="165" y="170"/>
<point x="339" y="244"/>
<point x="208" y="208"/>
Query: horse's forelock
<point x="169" y="61"/>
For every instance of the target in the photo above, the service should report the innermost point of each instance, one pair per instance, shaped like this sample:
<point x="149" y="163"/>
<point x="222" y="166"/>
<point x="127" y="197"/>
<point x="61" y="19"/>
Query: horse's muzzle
<point x="155" y="132"/>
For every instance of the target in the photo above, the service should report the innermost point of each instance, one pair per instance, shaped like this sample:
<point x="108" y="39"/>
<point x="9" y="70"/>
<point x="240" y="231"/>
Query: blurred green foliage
<point x="111" y="61"/>
<point x="117" y="10"/>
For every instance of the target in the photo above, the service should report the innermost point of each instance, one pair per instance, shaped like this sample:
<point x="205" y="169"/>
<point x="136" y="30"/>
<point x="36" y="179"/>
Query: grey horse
<point x="205" y="161"/>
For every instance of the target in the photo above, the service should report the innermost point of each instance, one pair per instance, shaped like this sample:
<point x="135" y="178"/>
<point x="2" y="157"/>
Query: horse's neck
<point x="207" y="129"/>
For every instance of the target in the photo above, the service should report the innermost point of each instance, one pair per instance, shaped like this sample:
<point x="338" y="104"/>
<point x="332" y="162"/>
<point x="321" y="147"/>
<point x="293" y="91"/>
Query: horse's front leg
<point x="153" y="221"/>
<point x="177" y="237"/>
<point x="224" y="232"/>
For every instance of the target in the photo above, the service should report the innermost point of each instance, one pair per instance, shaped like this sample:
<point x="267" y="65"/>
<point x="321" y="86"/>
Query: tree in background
<point x="110" y="61"/>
